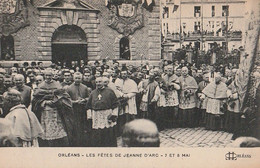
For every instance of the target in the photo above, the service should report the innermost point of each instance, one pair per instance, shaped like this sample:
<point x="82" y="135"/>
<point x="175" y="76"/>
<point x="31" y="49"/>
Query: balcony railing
<point x="208" y="35"/>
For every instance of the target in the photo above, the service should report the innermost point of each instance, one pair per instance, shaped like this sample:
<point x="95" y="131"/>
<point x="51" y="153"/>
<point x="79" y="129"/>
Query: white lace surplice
<point x="213" y="106"/>
<point x="100" y="119"/>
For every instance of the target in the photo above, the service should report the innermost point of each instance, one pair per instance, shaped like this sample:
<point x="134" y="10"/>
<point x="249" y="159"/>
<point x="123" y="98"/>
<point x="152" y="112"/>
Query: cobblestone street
<point x="193" y="137"/>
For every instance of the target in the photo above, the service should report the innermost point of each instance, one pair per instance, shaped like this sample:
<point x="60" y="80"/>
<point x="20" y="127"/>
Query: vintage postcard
<point x="129" y="83"/>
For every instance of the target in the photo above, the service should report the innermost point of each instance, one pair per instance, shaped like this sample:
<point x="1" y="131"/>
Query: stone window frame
<point x="132" y="46"/>
<point x="13" y="46"/>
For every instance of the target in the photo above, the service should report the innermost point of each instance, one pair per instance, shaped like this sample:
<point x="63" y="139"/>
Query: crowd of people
<point x="89" y="105"/>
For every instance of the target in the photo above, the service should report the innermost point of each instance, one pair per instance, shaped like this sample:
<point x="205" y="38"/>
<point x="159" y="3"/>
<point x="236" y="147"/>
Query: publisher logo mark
<point x="231" y="156"/>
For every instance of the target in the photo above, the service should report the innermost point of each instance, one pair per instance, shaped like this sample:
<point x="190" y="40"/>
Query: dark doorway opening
<point x="124" y="49"/>
<point x="7" y="48"/>
<point x="69" y="44"/>
<point x="64" y="54"/>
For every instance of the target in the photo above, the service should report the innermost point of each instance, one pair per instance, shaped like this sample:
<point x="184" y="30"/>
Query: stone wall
<point x="25" y="40"/>
<point x="145" y="41"/>
<point x="51" y="19"/>
<point x="34" y="42"/>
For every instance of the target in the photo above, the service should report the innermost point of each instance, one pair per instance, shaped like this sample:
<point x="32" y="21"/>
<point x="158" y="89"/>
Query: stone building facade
<point x="184" y="21"/>
<point x="85" y="29"/>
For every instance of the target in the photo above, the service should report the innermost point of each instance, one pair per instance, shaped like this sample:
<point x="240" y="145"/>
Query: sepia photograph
<point x="141" y="81"/>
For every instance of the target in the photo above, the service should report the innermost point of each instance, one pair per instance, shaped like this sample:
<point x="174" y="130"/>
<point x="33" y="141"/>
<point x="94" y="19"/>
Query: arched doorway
<point x="124" y="49"/>
<point x="69" y="43"/>
<point x="7" y="48"/>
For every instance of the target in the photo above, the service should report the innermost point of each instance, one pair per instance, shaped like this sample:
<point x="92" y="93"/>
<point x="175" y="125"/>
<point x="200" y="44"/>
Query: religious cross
<point x="99" y="97"/>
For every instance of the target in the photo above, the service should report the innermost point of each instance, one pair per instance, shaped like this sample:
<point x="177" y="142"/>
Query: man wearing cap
<point x="104" y="111"/>
<point x="53" y="108"/>
<point x="104" y="65"/>
<point x="79" y="96"/>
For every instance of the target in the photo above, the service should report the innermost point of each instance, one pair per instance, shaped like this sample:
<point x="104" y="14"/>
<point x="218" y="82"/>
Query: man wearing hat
<point x="104" y="65"/>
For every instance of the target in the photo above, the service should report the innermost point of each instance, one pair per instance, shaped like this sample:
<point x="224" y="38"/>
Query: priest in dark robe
<point x="79" y="96"/>
<point x="172" y="87"/>
<point x="202" y="102"/>
<point x="53" y="108"/>
<point x="233" y="118"/>
<point x="104" y="111"/>
<point x="88" y="80"/>
<point x="148" y="103"/>
<point x="188" y="99"/>
<point x="67" y="80"/>
<point x="23" y="89"/>
<point x="2" y="89"/>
